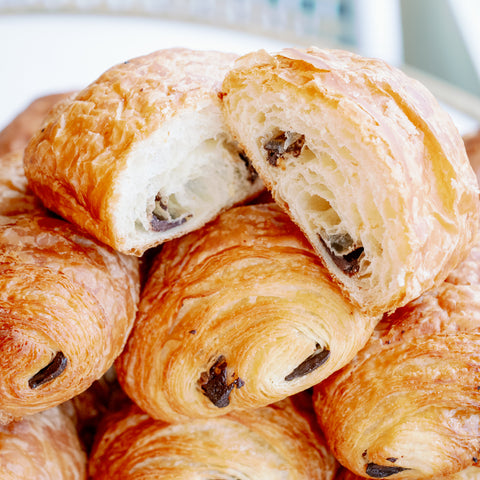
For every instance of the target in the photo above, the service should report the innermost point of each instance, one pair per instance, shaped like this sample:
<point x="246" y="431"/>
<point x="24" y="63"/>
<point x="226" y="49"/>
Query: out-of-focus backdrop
<point x="49" y="46"/>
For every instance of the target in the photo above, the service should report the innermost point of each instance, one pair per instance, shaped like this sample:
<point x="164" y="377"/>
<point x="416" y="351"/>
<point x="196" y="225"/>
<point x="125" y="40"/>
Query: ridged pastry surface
<point x="67" y="304"/>
<point x="407" y="406"/>
<point x="235" y="316"/>
<point x="44" y="446"/>
<point x="280" y="441"/>
<point x="364" y="160"/>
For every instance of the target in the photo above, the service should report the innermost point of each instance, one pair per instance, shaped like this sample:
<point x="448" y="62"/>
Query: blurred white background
<point x="50" y="46"/>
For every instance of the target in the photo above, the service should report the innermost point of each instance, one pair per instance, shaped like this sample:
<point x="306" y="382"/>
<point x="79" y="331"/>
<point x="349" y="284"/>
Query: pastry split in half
<point x="277" y="442"/>
<point x="237" y="315"/>
<point x="407" y="406"/>
<point x="364" y="161"/>
<point x="142" y="155"/>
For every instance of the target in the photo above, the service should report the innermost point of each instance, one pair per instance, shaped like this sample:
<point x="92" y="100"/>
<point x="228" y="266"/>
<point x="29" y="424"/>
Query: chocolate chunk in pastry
<point x="315" y="360"/>
<point x="49" y="372"/>
<point x="268" y="320"/>
<point x="276" y="442"/>
<point x="142" y="155"/>
<point x="67" y="305"/>
<point x="364" y="161"/>
<point x="382" y="471"/>
<point x="215" y="384"/>
<point x="406" y="407"/>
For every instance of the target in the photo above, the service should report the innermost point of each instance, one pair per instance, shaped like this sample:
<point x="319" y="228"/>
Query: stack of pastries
<point x="257" y="267"/>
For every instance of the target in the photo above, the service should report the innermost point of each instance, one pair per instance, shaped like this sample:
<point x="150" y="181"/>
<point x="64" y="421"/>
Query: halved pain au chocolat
<point x="284" y="143"/>
<point x="54" y="369"/>
<point x="348" y="263"/>
<point x="215" y="384"/>
<point x="382" y="471"/>
<point x="315" y="360"/>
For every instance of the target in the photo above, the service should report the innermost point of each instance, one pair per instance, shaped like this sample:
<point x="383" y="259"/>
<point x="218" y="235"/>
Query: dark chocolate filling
<point x="382" y="471"/>
<point x="215" y="385"/>
<point x="319" y="357"/>
<point x="349" y="263"/>
<point x="284" y="143"/>
<point x="50" y="372"/>
<point x="252" y="173"/>
<point x="161" y="225"/>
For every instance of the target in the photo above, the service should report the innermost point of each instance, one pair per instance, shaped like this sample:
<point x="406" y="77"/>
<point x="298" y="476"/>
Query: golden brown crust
<point x="67" y="304"/>
<point x="354" y="149"/>
<point x="43" y="446"/>
<point x="228" y="314"/>
<point x="410" y="398"/>
<point x="15" y="196"/>
<point x="280" y="441"/>
<point x="18" y="132"/>
<point x="88" y="155"/>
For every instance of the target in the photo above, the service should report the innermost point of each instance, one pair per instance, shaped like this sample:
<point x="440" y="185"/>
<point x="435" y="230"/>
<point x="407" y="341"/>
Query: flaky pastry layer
<point x="280" y="441"/>
<point x="364" y="161"/>
<point x="44" y="446"/>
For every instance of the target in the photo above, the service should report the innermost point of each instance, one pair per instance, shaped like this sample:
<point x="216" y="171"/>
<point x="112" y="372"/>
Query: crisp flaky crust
<point x="44" y="446"/>
<point x="365" y="162"/>
<point x="18" y="132"/>
<point x="237" y="315"/>
<point x="410" y="399"/>
<point x="142" y="154"/>
<point x="67" y="304"/>
<point x="15" y="196"/>
<point x="281" y="441"/>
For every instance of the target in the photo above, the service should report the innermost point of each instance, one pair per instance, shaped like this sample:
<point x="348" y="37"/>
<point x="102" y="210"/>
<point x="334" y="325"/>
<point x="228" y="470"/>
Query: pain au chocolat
<point x="237" y="315"/>
<point x="364" y="160"/>
<point x="280" y="441"/>
<point x="142" y="154"/>
<point x="407" y="406"/>
<point x="67" y="305"/>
